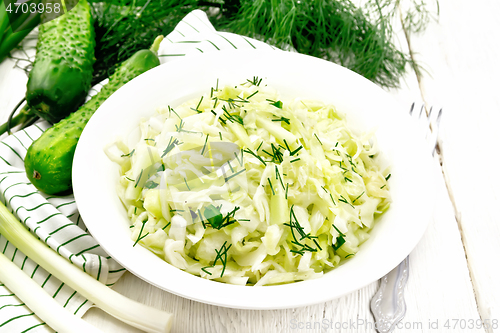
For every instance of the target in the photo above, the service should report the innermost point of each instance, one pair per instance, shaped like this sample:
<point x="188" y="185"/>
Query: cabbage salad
<point x="243" y="187"/>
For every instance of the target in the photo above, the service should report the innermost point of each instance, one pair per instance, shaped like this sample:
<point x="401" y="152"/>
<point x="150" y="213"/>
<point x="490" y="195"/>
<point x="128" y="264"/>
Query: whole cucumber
<point x="49" y="159"/>
<point x="62" y="71"/>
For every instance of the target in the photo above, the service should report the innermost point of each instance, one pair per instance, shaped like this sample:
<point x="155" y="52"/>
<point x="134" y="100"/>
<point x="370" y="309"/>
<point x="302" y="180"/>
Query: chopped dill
<point x="278" y="176"/>
<point x="270" y="184"/>
<point x="296" y="227"/>
<point x="185" y="182"/>
<point x="140" y="233"/>
<point x="179" y="127"/>
<point x="216" y="219"/>
<point x="205" y="145"/>
<point x="278" y="104"/>
<point x="234" y="175"/>
<point x="277" y="155"/>
<point x="359" y="196"/>
<point x="151" y="184"/>
<point x="198" y="106"/>
<point x="248" y="151"/>
<point x="172" y="110"/>
<point x="230" y="166"/>
<point x="138" y="178"/>
<point x="318" y="139"/>
<point x="340" y="239"/>
<point x="357" y="37"/>
<point x="129" y="154"/>
<point x="344" y="200"/>
<point x="240" y="161"/>
<point x="253" y="94"/>
<point x="331" y="197"/>
<point x="283" y="119"/>
<point x="171" y="145"/>
<point x="255" y="81"/>
<point x="205" y="270"/>
<point x="222" y="256"/>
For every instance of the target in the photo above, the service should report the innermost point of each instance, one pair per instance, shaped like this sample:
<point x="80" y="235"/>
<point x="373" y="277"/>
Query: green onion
<point x="39" y="301"/>
<point x="124" y="309"/>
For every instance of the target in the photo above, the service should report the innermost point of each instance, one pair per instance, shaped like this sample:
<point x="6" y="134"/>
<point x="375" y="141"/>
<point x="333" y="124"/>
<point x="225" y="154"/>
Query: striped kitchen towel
<point x="55" y="219"/>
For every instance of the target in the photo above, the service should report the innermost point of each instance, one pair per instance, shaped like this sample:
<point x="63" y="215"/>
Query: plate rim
<point x="202" y="289"/>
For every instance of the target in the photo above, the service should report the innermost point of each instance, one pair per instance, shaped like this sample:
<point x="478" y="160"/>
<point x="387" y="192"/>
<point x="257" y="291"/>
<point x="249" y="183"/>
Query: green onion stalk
<point x="124" y="309"/>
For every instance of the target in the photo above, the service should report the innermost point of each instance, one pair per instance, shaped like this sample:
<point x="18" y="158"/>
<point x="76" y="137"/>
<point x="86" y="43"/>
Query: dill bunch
<point x="359" y="38"/>
<point x="125" y="26"/>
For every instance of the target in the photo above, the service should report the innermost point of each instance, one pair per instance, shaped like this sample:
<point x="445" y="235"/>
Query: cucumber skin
<point x="49" y="159"/>
<point x="62" y="72"/>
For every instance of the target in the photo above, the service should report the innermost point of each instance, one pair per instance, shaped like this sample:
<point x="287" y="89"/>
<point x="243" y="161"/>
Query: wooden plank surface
<point x="462" y="54"/>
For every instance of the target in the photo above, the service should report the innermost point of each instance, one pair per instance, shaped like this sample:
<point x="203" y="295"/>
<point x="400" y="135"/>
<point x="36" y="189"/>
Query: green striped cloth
<point x="54" y="219"/>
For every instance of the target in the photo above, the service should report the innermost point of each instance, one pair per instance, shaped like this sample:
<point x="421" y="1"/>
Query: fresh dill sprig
<point x="187" y="185"/>
<point x="123" y="27"/>
<point x="359" y="38"/>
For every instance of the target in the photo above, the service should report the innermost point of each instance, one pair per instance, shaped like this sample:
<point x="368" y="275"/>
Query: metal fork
<point x="388" y="305"/>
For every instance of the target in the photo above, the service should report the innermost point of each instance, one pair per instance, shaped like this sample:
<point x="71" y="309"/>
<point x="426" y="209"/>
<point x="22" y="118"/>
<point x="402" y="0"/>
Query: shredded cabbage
<point x="242" y="187"/>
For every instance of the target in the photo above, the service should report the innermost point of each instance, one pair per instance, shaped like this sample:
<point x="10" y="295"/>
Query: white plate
<point x="367" y="107"/>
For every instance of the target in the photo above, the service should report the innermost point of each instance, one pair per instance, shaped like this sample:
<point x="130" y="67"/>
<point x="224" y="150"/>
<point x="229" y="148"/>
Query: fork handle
<point x="388" y="305"/>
